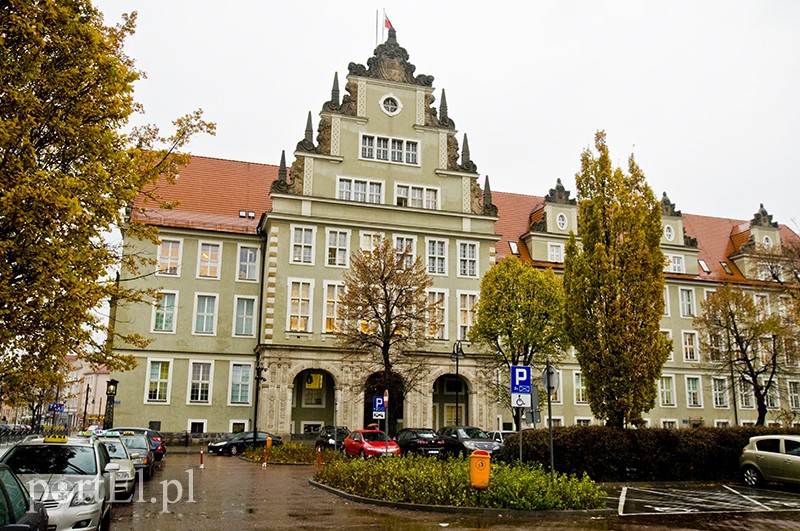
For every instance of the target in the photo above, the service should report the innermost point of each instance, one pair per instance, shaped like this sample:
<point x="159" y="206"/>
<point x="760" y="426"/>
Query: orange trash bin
<point x="479" y="463"/>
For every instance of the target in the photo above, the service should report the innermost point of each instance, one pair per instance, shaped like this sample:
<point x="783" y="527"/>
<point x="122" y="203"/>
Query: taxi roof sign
<point x="55" y="439"/>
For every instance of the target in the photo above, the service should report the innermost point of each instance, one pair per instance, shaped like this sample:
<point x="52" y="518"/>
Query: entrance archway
<point x="450" y="403"/>
<point x="313" y="402"/>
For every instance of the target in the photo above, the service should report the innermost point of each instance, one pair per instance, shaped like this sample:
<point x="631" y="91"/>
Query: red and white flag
<point x="386" y="23"/>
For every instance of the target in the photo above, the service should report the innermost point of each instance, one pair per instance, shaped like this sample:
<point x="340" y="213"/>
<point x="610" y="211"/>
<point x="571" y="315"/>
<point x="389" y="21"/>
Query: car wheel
<point x="234" y="450"/>
<point x="751" y="476"/>
<point x="361" y="455"/>
<point x="105" y="522"/>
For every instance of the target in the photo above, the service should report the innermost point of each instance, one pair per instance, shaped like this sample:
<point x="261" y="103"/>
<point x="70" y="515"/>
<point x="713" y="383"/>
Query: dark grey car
<point x="463" y="440"/>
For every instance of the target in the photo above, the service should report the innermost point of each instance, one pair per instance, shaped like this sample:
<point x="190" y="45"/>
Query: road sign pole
<point x="550" y="420"/>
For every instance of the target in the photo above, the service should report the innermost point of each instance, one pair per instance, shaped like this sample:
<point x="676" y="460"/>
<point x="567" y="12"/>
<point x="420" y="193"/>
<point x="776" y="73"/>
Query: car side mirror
<point x="135" y="456"/>
<point x="111" y="467"/>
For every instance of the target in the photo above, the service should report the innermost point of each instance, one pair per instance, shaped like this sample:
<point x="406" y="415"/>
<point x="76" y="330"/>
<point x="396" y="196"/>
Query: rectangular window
<point x="666" y="390"/>
<point x="374" y="195"/>
<point x="687" y="302"/>
<point x="360" y="190"/>
<point x="200" y="382"/>
<point x="436" y="314"/>
<point x="690" y="346"/>
<point x="417" y="197"/>
<point x="209" y="260"/>
<point x="580" y="389"/>
<point x="715" y="347"/>
<point x="669" y="424"/>
<point x="466" y="313"/>
<point x="794" y="394"/>
<point x="719" y="389"/>
<point x="333" y="294"/>
<point x="241" y="375"/>
<point x="397" y="150"/>
<point x="367" y="147"/>
<point x="771" y="398"/>
<point x="437" y="257"/>
<point x="205" y="314"/>
<point x="169" y="258"/>
<point x="345" y="189"/>
<point x="404" y="251"/>
<point x="431" y="199"/>
<point x="164" y="312"/>
<point x="467" y="259"/>
<point x="248" y="263"/>
<point x="667" y="335"/>
<point x="245" y="317"/>
<point x="300" y="306"/>
<point x="762" y="305"/>
<point x="555" y="252"/>
<point x="382" y="149"/>
<point x="666" y="301"/>
<point x="369" y="241"/>
<point x="674" y="263"/>
<point x="303" y="245"/>
<point x="338" y="250"/>
<point x="694" y="396"/>
<point x="411" y="152"/>
<point x="158" y="381"/>
<point x="746" y="396"/>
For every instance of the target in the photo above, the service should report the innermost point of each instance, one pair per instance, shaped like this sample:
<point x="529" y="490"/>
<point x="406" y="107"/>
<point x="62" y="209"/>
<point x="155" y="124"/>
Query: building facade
<point x="250" y="266"/>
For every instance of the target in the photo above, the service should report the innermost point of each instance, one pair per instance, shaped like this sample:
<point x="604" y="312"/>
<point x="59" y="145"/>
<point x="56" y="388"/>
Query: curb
<point x="471" y="511"/>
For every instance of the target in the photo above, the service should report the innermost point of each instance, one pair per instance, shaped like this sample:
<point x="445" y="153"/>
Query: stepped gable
<point x="390" y="62"/>
<point x="210" y="194"/>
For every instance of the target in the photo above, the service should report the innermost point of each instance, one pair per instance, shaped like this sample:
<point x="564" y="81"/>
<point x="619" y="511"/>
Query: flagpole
<point x="376" y="28"/>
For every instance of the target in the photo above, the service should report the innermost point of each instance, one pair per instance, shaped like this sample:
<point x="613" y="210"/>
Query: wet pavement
<point x="230" y="493"/>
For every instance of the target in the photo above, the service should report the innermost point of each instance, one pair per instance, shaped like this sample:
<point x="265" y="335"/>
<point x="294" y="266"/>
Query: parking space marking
<point x="748" y="498"/>
<point x="621" y="505"/>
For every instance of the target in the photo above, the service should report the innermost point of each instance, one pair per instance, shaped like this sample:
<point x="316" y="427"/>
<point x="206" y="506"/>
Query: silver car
<point x="71" y="476"/>
<point x="771" y="458"/>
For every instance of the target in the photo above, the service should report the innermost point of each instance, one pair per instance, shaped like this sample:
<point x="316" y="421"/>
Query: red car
<point x="369" y="443"/>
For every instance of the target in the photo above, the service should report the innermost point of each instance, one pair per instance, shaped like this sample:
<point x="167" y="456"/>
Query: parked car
<point x="369" y="443"/>
<point x="463" y="440"/>
<point x="71" y="476"/>
<point x="331" y="437"/>
<point x="138" y="444"/>
<point x="421" y="441"/>
<point x="500" y="435"/>
<point x="771" y="458"/>
<point x="17" y="510"/>
<point x="155" y="438"/>
<point x="125" y="478"/>
<point x="237" y="444"/>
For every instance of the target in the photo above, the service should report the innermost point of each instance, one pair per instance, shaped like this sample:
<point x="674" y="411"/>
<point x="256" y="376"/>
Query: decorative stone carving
<point x="280" y="185"/>
<point x="541" y="225"/>
<point x="466" y="162"/>
<point x="559" y="195"/>
<point x="390" y="62"/>
<point x="349" y="101"/>
<point x="489" y="208"/>
<point x="688" y="241"/>
<point x="430" y="113"/>
<point x="762" y="218"/>
<point x="297" y="172"/>
<point x="324" y="136"/>
<point x="452" y="152"/>
<point x="475" y="194"/>
<point x="307" y="144"/>
<point x="667" y="207"/>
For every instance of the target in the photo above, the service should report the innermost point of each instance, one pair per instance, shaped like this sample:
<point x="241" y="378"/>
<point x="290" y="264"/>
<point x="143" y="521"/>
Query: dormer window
<point x="767" y="241"/>
<point x="669" y="233"/>
<point x="561" y="221"/>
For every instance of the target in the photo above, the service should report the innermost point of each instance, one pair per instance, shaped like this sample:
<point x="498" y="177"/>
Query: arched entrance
<point x="376" y="385"/>
<point x="450" y="404"/>
<point x="313" y="402"/>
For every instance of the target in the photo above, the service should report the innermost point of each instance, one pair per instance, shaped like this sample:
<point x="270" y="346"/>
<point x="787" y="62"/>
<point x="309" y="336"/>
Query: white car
<point x="771" y="458"/>
<point x="71" y="476"/>
<point x="125" y="478"/>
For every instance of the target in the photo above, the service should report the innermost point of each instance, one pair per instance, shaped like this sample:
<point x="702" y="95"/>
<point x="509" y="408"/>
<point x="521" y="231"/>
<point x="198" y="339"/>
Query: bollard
<point x="201" y="458"/>
<point x="319" y="457"/>
<point x="265" y="454"/>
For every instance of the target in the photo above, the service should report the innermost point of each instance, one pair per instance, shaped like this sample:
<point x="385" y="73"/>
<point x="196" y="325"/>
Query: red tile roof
<point x="514" y="211"/>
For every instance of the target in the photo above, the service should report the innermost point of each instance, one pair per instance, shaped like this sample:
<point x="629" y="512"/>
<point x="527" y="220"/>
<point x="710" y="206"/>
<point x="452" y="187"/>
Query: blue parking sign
<point x="378" y="408"/>
<point x="520" y="379"/>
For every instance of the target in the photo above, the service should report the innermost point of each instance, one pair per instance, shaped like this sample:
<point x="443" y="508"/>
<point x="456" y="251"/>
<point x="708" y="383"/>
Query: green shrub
<point x="428" y="481"/>
<point x="291" y="452"/>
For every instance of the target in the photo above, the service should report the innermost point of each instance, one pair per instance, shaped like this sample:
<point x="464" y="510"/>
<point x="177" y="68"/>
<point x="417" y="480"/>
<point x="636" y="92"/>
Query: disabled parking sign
<point x="520" y="386"/>
<point x="378" y="408"/>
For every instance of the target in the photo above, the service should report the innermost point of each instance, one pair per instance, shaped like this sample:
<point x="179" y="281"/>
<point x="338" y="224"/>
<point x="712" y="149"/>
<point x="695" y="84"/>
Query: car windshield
<point x="426" y="434"/>
<point x="52" y="459"/>
<point x="135" y="442"/>
<point x="473" y="433"/>
<point x="374" y="436"/>
<point x="115" y="449"/>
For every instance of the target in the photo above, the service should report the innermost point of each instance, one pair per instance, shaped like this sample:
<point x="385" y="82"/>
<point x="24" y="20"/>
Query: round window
<point x="669" y="233"/>
<point x="561" y="221"/>
<point x="767" y="242"/>
<point x="391" y="105"/>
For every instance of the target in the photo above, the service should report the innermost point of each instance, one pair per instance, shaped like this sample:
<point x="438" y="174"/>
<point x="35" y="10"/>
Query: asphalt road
<point x="230" y="493"/>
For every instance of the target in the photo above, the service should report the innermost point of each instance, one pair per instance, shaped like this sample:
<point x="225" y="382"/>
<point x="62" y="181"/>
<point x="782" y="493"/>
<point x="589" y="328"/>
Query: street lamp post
<point x="86" y="405"/>
<point x="111" y="392"/>
<point x="258" y="379"/>
<point x="457" y="355"/>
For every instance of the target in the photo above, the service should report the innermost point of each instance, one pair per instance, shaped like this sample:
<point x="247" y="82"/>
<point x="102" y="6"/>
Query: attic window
<point x="514" y="248"/>
<point x="251" y="214"/>
<point x="767" y="242"/>
<point x="242" y="214"/>
<point x="703" y="265"/>
<point x="726" y="267"/>
<point x="391" y="105"/>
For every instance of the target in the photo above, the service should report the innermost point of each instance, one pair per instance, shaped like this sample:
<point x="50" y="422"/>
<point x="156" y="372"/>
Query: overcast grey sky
<point x="705" y="94"/>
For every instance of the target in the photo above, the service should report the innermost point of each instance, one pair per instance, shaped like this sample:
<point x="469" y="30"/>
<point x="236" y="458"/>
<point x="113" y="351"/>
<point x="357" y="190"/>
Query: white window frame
<point x="371" y="236"/>
<point x="578" y="375"/>
<point x="190" y="381"/>
<point x="467" y="244"/>
<point x="464" y="328"/>
<point x="201" y="261"/>
<point x="438" y="259"/>
<point x="146" y="399"/>
<point x="248" y="265"/>
<point x="668" y="333"/>
<point x="747" y="397"/>
<point x="676" y="263"/>
<point x="720" y="395"/>
<point x="339" y="250"/>
<point x="215" y="316"/>
<point x="156" y="305"/>
<point x="555" y="252"/>
<point x="699" y="391"/>
<point x="666" y="301"/>
<point x="407" y="239"/>
<point x="233" y="422"/>
<point x="302" y="245"/>
<point x="407" y="200"/>
<point x="669" y="233"/>
<point x="695" y="346"/>
<point x="189" y="423"/>
<point x="561" y="221"/>
<point x="671" y="390"/>
<point x="772" y="397"/>
<point x="793" y="395"/>
<point x="231" y="383"/>
<point x="369" y="195"/>
<point x="761" y="301"/>
<point x="558" y="419"/>
<point x="254" y="317"/>
<point x="583" y="421"/>
<point x="309" y="315"/>
<point x="160" y="258"/>
<point x="673" y="422"/>
<point x="684" y="303"/>
<point x="443" y="314"/>
<point x="338" y="322"/>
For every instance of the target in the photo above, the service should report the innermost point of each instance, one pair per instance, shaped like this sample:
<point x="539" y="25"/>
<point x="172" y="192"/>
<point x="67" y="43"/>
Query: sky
<point x="705" y="94"/>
